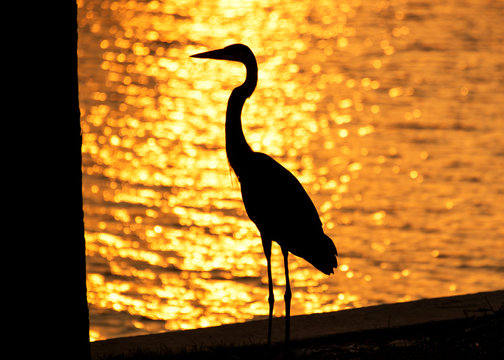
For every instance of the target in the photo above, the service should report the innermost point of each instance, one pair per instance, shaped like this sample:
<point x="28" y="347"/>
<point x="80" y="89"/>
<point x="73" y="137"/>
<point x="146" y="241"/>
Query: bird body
<point x="295" y="227"/>
<point x="274" y="199"/>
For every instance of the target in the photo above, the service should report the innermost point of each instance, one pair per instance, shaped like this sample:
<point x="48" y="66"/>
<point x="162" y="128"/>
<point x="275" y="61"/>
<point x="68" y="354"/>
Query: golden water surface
<point x="388" y="112"/>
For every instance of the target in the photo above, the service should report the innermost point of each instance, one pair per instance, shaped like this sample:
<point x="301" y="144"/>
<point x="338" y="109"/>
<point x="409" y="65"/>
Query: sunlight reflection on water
<point x="389" y="116"/>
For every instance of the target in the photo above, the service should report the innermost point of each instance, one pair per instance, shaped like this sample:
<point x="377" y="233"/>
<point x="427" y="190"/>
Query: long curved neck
<point x="237" y="148"/>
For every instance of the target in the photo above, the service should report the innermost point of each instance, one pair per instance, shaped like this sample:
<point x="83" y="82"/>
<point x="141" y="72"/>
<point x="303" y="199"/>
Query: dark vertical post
<point x="68" y="222"/>
<point x="44" y="246"/>
<point x="76" y="200"/>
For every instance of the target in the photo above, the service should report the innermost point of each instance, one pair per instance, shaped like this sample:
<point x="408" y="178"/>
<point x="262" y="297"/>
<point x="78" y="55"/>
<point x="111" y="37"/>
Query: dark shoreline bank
<point x="442" y="328"/>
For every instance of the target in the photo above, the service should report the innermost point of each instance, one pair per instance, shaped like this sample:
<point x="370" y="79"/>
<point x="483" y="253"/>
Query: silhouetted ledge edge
<point x="304" y="327"/>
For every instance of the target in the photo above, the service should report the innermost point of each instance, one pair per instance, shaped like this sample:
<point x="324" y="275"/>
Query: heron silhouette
<point x="274" y="199"/>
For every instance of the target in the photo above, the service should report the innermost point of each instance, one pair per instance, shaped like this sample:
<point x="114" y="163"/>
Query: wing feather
<point x="276" y="201"/>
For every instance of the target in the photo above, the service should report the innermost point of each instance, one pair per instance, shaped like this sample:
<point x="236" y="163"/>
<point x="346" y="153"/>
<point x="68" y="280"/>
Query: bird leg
<point x="287" y="297"/>
<point x="271" y="297"/>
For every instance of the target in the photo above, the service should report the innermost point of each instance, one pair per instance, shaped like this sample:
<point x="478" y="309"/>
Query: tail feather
<point x="322" y="254"/>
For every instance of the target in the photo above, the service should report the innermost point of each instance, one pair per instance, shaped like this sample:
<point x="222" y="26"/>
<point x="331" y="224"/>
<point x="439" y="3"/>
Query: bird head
<point x="235" y="52"/>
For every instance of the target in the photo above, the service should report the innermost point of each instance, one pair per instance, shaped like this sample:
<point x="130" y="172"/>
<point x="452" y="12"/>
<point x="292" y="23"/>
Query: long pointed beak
<point x="214" y="54"/>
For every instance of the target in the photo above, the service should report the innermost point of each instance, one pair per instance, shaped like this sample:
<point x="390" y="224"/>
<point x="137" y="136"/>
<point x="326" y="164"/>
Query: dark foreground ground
<point x="478" y="334"/>
<point x="471" y="338"/>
